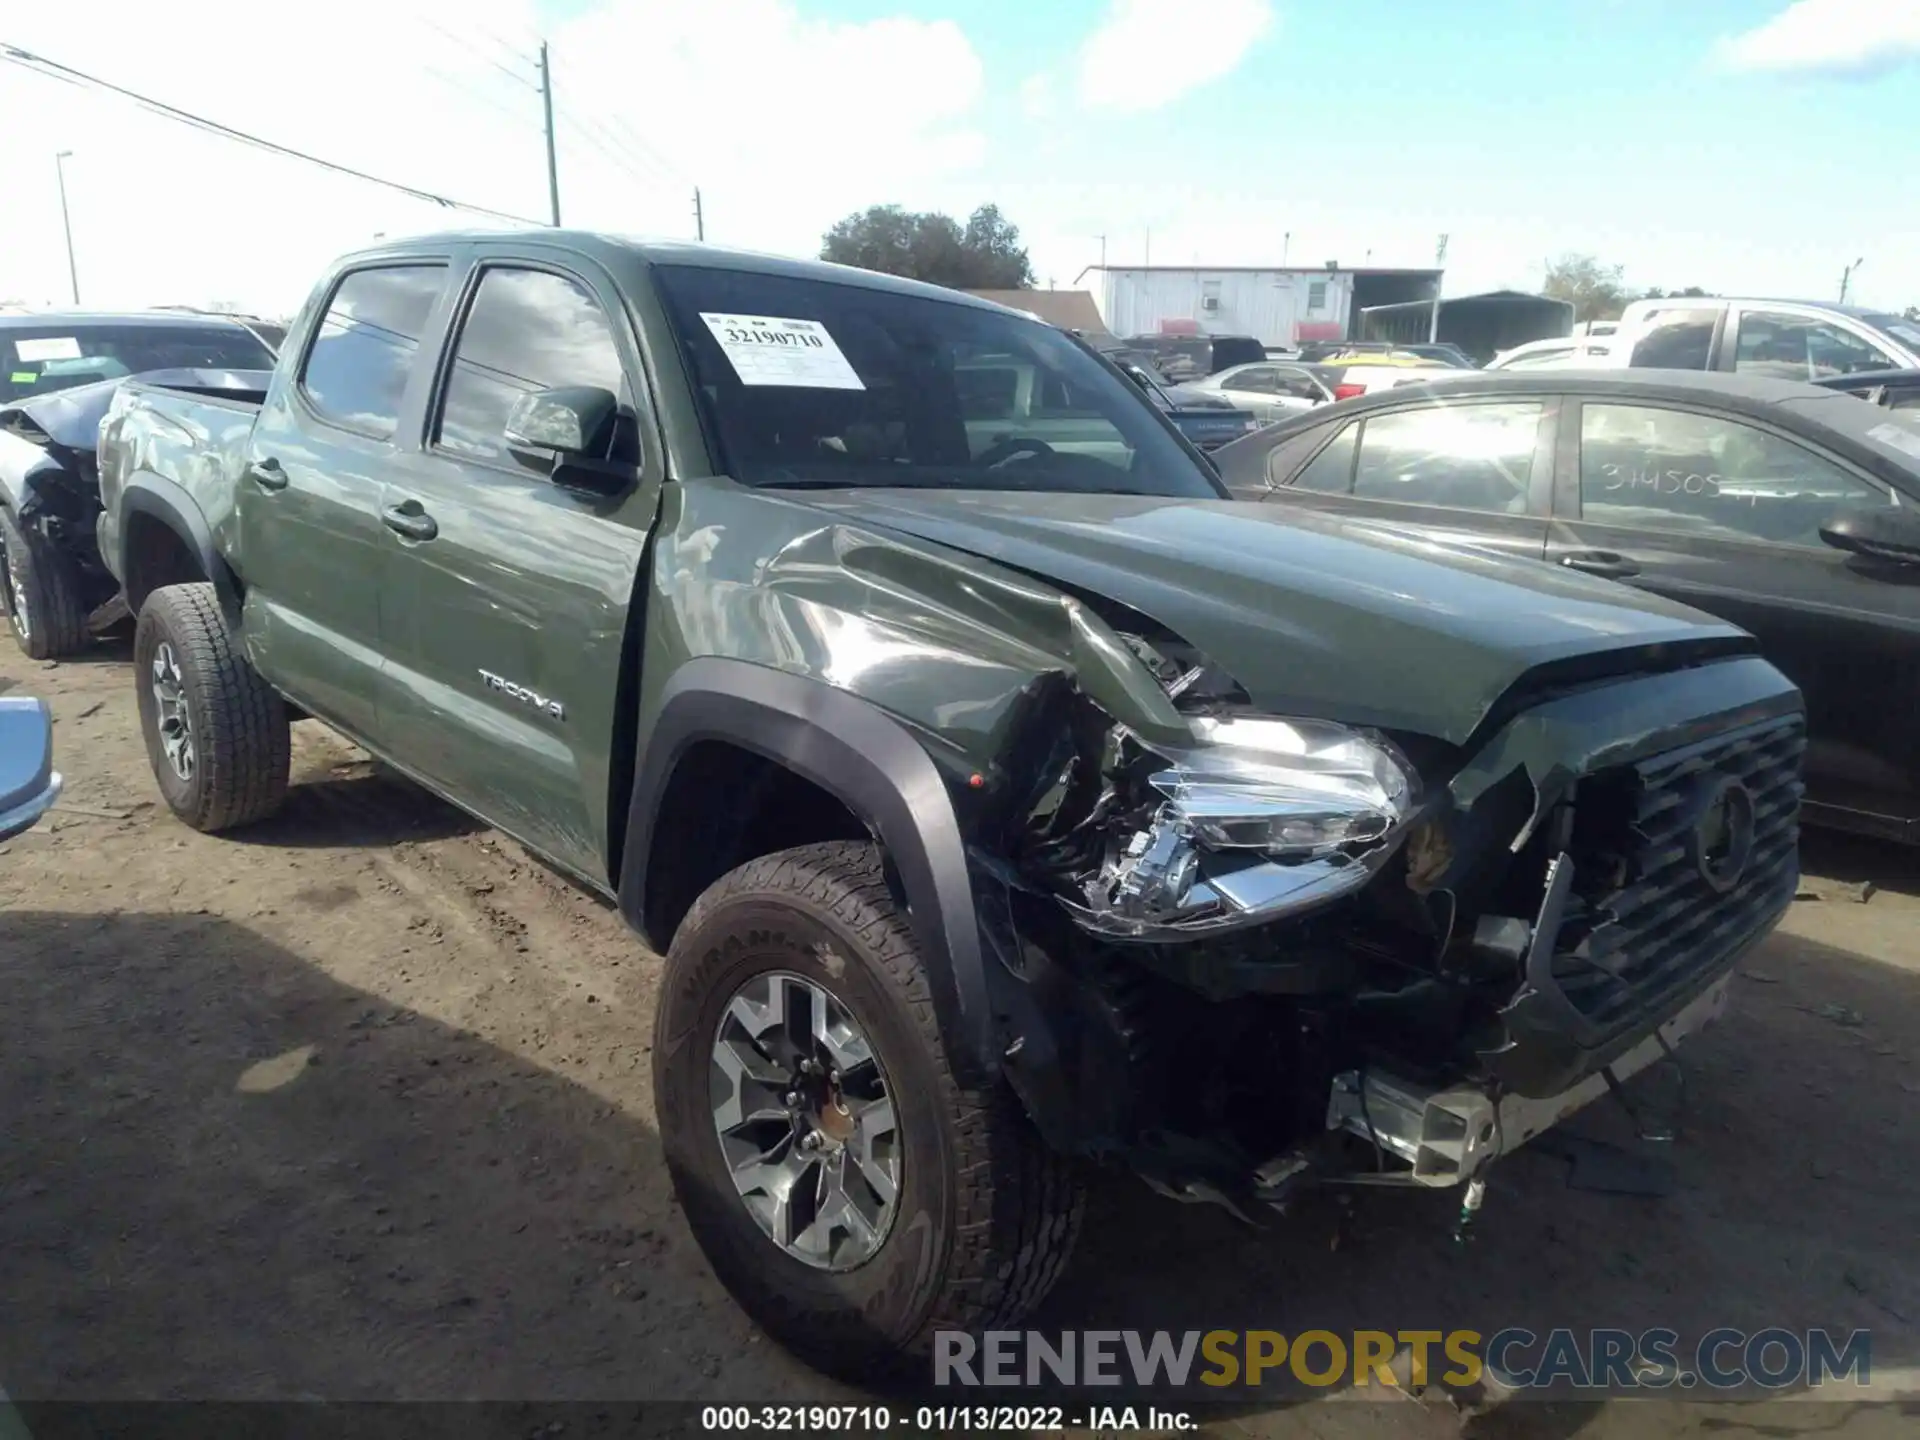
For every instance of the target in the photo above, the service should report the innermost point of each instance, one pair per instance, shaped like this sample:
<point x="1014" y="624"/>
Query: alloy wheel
<point x="170" y="707"/>
<point x="17" y="608"/>
<point x="806" y="1121"/>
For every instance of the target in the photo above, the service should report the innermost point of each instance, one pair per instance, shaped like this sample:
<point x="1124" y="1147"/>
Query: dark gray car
<point x="1789" y="509"/>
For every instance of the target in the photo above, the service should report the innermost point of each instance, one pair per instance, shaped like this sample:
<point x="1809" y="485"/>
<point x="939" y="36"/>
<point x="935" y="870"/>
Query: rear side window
<point x="527" y="330"/>
<point x="1469" y="457"/>
<point x="1676" y="340"/>
<point x="357" y="368"/>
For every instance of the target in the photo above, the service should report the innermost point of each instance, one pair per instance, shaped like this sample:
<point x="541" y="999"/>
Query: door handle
<point x="267" y="474"/>
<point x="1604" y="563"/>
<point x="409" y="520"/>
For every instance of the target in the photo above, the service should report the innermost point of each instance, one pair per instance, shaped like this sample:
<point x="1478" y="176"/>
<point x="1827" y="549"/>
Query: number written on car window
<point x="1652" y="468"/>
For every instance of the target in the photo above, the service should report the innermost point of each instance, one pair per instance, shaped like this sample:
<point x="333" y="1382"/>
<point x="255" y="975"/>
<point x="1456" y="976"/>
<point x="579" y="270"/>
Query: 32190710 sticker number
<point x="737" y="336"/>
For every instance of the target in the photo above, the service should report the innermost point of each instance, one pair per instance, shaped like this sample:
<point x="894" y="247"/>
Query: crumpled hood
<point x="1315" y="616"/>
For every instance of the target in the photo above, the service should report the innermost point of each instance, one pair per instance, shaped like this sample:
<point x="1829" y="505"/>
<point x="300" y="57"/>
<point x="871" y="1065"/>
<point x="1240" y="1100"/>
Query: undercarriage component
<point x="1445" y="1136"/>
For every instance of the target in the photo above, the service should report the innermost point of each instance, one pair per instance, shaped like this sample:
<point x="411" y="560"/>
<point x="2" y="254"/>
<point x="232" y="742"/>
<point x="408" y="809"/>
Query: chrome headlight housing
<point x="1259" y="818"/>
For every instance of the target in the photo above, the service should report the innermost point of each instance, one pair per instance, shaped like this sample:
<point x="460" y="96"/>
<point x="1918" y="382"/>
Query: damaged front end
<point x="1272" y="950"/>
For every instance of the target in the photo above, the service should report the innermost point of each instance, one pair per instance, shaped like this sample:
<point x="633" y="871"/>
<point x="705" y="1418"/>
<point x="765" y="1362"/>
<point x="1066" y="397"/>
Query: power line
<point x="53" y="69"/>
<point x="481" y="55"/>
<point x="623" y="135"/>
<point x="605" y="144"/>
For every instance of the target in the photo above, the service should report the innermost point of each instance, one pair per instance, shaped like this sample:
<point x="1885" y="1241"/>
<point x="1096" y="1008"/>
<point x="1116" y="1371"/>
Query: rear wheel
<point x="42" y="591"/>
<point x="852" y="1194"/>
<point x="216" y="732"/>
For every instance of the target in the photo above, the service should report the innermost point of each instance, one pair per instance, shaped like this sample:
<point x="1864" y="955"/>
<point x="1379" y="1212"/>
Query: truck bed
<point x="186" y="428"/>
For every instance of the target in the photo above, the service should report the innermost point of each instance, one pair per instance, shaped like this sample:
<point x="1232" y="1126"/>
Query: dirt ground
<point x="356" y="1105"/>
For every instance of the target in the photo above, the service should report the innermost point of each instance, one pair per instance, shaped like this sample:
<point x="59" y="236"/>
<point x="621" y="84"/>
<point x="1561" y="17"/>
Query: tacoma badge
<point x="552" y="709"/>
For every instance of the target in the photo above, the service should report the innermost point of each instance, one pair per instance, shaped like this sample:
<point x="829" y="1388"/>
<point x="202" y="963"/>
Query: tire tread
<point x="242" y="739"/>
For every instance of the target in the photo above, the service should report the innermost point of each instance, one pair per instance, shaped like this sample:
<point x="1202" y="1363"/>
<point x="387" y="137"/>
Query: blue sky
<point x="1741" y="145"/>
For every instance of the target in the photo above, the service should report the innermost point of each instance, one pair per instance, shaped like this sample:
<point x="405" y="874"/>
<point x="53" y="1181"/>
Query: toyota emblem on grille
<point x="1722" y="839"/>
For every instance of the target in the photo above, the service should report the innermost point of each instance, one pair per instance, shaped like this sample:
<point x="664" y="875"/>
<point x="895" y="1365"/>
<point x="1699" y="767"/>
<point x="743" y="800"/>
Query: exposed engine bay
<point x="1294" y="951"/>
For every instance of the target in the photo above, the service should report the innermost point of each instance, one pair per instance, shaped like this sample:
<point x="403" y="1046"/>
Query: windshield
<point x="1907" y="332"/>
<point x="58" y="356"/>
<point x="813" y="383"/>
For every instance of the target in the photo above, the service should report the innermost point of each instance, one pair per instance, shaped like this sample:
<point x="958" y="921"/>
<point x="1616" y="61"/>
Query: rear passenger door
<point x="510" y="585"/>
<point x="1475" y="472"/>
<point x="307" y="508"/>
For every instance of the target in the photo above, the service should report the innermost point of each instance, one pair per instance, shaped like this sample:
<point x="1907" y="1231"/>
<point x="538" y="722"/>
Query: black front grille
<point x="1647" y="925"/>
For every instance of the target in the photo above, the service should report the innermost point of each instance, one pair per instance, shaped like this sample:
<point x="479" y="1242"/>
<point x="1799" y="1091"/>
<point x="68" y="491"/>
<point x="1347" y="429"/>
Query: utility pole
<point x="1103" y="250"/>
<point x="66" y="224"/>
<point x="1286" y="244"/>
<point x="699" y="217"/>
<point x="553" y="164"/>
<point x="1440" y="263"/>
<point x="1846" y="277"/>
<point x="1146" y="260"/>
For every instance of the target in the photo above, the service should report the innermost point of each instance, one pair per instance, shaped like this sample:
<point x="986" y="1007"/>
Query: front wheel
<point x="216" y="732"/>
<point x="848" y="1190"/>
<point x="42" y="593"/>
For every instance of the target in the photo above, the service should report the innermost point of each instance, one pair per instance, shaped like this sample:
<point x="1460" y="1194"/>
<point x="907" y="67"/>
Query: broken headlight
<point x="1258" y="819"/>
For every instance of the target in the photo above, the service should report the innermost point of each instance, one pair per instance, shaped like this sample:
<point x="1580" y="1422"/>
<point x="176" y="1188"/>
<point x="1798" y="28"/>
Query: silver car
<point x="1272" y="390"/>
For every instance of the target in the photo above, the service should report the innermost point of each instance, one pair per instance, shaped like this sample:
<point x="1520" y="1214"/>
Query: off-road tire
<point x="987" y="1215"/>
<point x="239" y="725"/>
<point x="56" y="618"/>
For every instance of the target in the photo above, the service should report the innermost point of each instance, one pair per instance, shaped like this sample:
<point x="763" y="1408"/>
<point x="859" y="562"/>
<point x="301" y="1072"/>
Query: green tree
<point x="1596" y="291"/>
<point x="1913" y="312"/>
<point x="985" y="254"/>
<point x="1692" y="292"/>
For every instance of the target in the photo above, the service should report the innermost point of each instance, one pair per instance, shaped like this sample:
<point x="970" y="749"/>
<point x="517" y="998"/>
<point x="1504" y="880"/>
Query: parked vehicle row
<point x="1789" y="509"/>
<point x="1001" y="793"/>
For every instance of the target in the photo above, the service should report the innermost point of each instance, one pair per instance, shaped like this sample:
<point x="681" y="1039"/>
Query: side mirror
<point x="1884" y="532"/>
<point x="28" y="782"/>
<point x="573" y="420"/>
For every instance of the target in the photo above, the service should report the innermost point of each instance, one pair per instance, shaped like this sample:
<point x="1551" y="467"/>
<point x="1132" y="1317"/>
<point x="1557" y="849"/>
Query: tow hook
<point x="1470" y="1203"/>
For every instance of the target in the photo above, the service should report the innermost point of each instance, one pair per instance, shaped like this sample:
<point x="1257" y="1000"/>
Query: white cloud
<point x="786" y="122"/>
<point x="1148" y="53"/>
<point x="1836" y="37"/>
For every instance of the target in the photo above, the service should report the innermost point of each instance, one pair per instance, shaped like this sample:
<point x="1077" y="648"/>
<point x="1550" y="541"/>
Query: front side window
<point x="40" y="358"/>
<point x="362" y="355"/>
<point x="816" y="383"/>
<point x="1468" y="457"/>
<point x="1676" y="340"/>
<point x="1258" y="381"/>
<point x="1654" y="468"/>
<point x="527" y="330"/>
<point x="1798" y="347"/>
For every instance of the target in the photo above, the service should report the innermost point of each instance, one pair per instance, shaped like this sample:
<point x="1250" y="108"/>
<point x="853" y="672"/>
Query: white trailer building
<point x="1278" y="306"/>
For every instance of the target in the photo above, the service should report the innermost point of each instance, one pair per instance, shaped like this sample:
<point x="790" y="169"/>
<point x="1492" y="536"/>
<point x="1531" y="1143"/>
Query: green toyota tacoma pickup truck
<point x="1011" y="807"/>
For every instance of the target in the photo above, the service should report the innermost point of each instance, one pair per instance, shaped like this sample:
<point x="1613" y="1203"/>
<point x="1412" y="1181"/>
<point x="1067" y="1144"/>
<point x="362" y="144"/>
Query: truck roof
<point x="617" y="251"/>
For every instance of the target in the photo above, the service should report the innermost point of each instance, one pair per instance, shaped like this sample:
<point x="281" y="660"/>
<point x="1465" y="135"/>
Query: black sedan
<point x="1791" y="510"/>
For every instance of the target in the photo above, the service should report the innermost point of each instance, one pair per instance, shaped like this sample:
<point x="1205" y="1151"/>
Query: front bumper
<point x="1446" y="1136"/>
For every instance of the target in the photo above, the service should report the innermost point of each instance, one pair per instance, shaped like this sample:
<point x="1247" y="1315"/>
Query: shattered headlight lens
<point x="1259" y="818"/>
<point x="1293" y="789"/>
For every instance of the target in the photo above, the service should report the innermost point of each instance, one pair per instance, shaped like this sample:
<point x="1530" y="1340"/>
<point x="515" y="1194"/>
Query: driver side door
<point x="1724" y="514"/>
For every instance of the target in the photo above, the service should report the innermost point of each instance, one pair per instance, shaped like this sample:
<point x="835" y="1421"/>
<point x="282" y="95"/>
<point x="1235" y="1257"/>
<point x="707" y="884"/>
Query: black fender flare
<point x="852" y="749"/>
<point x="161" y="499"/>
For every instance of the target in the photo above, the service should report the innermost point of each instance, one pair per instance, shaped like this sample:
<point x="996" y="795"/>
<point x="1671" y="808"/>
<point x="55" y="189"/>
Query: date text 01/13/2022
<point x="935" y="1419"/>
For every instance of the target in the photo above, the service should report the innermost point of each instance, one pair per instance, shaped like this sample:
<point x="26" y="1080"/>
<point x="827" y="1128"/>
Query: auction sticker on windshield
<point x="767" y="350"/>
<point x="51" y="347"/>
